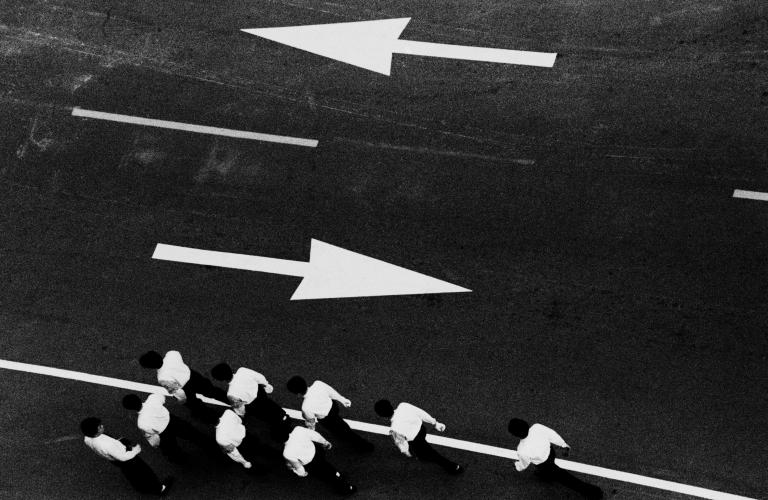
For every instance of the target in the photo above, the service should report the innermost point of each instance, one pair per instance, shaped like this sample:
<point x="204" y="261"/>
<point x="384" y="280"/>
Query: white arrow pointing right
<point x="332" y="272"/>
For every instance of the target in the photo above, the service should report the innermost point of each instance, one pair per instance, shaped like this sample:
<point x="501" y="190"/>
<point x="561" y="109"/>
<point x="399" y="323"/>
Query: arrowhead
<point x="367" y="44"/>
<point x="335" y="273"/>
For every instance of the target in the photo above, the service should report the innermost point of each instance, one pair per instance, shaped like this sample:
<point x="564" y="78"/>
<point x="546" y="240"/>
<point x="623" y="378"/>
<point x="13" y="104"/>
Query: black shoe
<point x="348" y="489"/>
<point x="456" y="469"/>
<point x="166" y="486"/>
<point x="596" y="494"/>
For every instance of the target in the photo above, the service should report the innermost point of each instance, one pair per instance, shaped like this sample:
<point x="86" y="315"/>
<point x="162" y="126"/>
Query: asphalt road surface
<point x="618" y="288"/>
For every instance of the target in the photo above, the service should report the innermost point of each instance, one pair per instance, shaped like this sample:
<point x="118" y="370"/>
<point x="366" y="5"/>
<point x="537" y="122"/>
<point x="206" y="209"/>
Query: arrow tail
<point x="484" y="54"/>
<point x="230" y="260"/>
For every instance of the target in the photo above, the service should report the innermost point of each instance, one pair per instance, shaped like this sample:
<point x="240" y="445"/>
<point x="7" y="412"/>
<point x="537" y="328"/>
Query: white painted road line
<point x="199" y="129"/>
<point x="750" y="195"/>
<point x="380" y="429"/>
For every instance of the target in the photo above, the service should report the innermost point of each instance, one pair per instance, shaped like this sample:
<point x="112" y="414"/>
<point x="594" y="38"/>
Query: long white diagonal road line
<point x="379" y="429"/>
<point x="199" y="129"/>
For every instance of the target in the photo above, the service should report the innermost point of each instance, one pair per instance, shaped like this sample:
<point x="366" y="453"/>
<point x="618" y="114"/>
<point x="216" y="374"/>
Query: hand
<point x="439" y="427"/>
<point x="408" y="454"/>
<point x="247" y="465"/>
<point x="268" y="389"/>
<point x="347" y="403"/>
<point x="327" y="445"/>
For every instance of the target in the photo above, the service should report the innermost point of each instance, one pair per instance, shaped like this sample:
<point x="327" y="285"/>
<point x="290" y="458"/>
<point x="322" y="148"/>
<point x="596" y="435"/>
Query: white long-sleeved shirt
<point x="244" y="387"/>
<point x="174" y="375"/>
<point x="300" y="449"/>
<point x="153" y="418"/>
<point x="406" y="423"/>
<point x="230" y="432"/>
<point x="536" y="446"/>
<point x="318" y="402"/>
<point x="110" y="448"/>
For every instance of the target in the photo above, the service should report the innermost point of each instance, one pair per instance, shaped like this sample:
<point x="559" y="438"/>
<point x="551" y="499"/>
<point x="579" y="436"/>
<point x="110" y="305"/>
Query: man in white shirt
<point x="537" y="446"/>
<point x="248" y="389"/>
<point x="304" y="457"/>
<point x="234" y="441"/>
<point x="161" y="428"/>
<point x="409" y="434"/>
<point x="183" y="383"/>
<point x="123" y="455"/>
<point x="321" y="404"/>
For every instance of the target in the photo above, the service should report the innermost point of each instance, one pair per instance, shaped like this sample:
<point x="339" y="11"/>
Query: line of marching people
<point x="303" y="448"/>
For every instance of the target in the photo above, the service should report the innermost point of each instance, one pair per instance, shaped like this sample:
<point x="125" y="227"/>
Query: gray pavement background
<point x="619" y="292"/>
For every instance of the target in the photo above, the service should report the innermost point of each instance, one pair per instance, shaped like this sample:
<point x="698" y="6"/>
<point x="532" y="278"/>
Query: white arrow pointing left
<point x="370" y="45"/>
<point x="332" y="272"/>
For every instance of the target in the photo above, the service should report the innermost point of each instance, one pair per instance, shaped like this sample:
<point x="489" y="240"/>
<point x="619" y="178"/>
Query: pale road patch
<point x="750" y="195"/>
<point x="438" y="152"/>
<point x="199" y="129"/>
<point x="380" y="429"/>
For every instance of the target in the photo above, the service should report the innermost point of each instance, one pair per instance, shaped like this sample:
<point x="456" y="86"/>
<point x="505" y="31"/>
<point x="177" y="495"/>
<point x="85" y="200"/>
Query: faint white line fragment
<point x="380" y="429"/>
<point x="439" y="152"/>
<point x="199" y="129"/>
<point x="750" y="195"/>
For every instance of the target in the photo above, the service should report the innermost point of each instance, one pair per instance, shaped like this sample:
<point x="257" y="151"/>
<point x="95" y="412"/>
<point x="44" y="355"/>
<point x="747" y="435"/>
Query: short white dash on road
<point x="199" y="129"/>
<point x="750" y="195"/>
<point x="380" y="429"/>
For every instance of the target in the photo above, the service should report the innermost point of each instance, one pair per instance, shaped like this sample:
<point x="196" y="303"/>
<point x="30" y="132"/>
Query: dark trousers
<point x="198" y="384"/>
<point x="252" y="447"/>
<point x="178" y="428"/>
<point x="423" y="451"/>
<point x="320" y="468"/>
<point x="140" y="475"/>
<point x="549" y="471"/>
<point x="266" y="410"/>
<point x="334" y="423"/>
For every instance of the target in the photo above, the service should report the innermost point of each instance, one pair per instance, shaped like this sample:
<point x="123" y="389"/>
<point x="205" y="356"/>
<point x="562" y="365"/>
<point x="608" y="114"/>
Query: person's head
<point x="151" y="359"/>
<point x="518" y="428"/>
<point x="132" y="402"/>
<point x="297" y="385"/>
<point x="91" y="426"/>
<point x="383" y="408"/>
<point x="222" y="372"/>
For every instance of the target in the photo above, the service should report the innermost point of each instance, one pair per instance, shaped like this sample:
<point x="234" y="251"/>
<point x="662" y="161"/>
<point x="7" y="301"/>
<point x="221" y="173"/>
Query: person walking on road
<point x="249" y="388"/>
<point x="183" y="383"/>
<point x="321" y="404"/>
<point x="537" y="446"/>
<point x="304" y="454"/>
<point x="235" y="441"/>
<point x="408" y="431"/>
<point x="123" y="455"/>
<point x="161" y="428"/>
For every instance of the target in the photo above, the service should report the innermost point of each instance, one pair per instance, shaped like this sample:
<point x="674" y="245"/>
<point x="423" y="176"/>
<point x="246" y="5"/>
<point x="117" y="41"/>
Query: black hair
<point x="383" y="408"/>
<point x="518" y="427"/>
<point x="297" y="385"/>
<point x="90" y="426"/>
<point x="132" y="402"/>
<point x="222" y="371"/>
<point x="151" y="359"/>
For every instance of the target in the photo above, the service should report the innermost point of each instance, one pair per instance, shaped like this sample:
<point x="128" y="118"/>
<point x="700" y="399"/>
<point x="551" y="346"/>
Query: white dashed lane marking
<point x="380" y="429"/>
<point x="199" y="129"/>
<point x="750" y="195"/>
